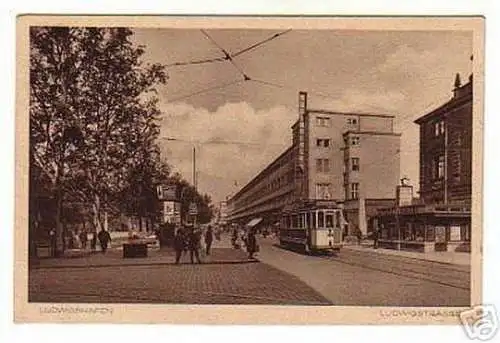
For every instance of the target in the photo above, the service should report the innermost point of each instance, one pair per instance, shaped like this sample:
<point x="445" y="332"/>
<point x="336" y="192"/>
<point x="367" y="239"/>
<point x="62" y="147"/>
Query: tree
<point x="93" y="112"/>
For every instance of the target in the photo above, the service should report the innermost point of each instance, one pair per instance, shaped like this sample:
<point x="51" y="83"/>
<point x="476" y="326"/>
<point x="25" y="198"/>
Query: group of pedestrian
<point x="248" y="238"/>
<point x="189" y="239"/>
<point x="80" y="240"/>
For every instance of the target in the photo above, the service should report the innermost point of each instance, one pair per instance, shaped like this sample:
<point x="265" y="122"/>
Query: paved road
<point x="110" y="279"/>
<point x="371" y="279"/>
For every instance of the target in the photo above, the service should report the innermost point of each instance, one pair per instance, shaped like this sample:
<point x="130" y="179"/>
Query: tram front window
<point x="321" y="219"/>
<point x="329" y="221"/>
<point x="295" y="221"/>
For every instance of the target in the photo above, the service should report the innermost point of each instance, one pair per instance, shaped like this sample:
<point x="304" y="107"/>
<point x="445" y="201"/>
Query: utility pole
<point x="194" y="168"/>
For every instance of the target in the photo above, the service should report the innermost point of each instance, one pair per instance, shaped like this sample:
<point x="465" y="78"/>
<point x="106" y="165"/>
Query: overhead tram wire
<point x="254" y="46"/>
<point x="228" y="56"/>
<point x="194" y="62"/>
<point x="206" y="90"/>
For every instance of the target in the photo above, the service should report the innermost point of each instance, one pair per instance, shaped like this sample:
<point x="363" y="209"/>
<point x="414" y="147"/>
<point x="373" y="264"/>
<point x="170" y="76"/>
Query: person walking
<point x="104" y="238"/>
<point x="83" y="239"/>
<point x="179" y="244"/>
<point x="209" y="237"/>
<point x="53" y="242"/>
<point x="194" y="245"/>
<point x="375" y="237"/>
<point x="251" y="243"/>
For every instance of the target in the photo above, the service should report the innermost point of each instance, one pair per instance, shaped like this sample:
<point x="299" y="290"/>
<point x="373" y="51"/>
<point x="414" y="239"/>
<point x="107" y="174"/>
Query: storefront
<point x="425" y="228"/>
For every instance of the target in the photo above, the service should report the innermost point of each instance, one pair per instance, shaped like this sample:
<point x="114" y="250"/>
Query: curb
<point x="144" y="264"/>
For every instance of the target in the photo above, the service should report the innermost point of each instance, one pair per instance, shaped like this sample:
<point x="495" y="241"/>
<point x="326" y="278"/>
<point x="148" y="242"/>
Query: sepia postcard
<point x="250" y="170"/>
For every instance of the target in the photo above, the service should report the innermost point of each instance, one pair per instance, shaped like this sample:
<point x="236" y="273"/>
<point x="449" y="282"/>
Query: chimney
<point x="404" y="193"/>
<point x="302" y="103"/>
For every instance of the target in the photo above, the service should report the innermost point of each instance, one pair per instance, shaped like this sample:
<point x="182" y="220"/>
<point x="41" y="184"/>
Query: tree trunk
<point x="96" y="213"/>
<point x="58" y="219"/>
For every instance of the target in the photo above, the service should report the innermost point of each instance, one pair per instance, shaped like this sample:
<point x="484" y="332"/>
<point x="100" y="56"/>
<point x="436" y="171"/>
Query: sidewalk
<point x="221" y="253"/>
<point x="448" y="257"/>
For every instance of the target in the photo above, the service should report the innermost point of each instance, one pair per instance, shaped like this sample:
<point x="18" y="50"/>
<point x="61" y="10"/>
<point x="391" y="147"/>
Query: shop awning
<point x="254" y="222"/>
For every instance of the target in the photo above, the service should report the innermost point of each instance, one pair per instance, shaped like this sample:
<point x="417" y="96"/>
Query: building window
<point x="439" y="128"/>
<point x="439" y="167"/>
<point x="355" y="163"/>
<point x="352" y="121"/>
<point x="323" y="121"/>
<point x="325" y="143"/>
<point x="323" y="165"/>
<point x="355" y="140"/>
<point x="458" y="169"/>
<point x="354" y="190"/>
<point x="323" y="191"/>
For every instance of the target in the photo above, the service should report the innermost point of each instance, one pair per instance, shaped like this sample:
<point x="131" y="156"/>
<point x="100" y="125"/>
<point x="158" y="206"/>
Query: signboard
<point x="193" y="209"/>
<point x="167" y="192"/>
<point x="171" y="212"/>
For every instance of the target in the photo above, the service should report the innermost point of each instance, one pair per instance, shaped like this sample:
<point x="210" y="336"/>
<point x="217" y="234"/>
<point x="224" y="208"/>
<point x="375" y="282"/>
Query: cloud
<point x="233" y="143"/>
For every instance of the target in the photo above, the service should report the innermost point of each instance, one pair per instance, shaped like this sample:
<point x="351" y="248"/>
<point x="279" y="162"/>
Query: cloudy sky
<point x="239" y="129"/>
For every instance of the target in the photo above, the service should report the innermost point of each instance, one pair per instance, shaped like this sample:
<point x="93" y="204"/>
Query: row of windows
<point x="267" y="188"/>
<point x="325" y="121"/>
<point x="439" y="164"/>
<point x="323" y="165"/>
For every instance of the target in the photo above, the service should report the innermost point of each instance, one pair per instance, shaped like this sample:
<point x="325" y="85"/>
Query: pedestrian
<point x="104" y="239"/>
<point x="179" y="244"/>
<point x="209" y="237"/>
<point x="359" y="235"/>
<point x="251" y="243"/>
<point x="375" y="237"/>
<point x="93" y="241"/>
<point x="53" y="242"/>
<point x="234" y="237"/>
<point x="83" y="239"/>
<point x="194" y="244"/>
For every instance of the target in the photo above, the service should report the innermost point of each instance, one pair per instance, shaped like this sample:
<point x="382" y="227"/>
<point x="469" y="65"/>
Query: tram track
<point x="421" y="270"/>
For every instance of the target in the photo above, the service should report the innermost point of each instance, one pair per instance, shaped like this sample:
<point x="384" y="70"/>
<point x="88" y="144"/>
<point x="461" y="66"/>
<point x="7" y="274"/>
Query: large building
<point x="350" y="158"/>
<point x="441" y="219"/>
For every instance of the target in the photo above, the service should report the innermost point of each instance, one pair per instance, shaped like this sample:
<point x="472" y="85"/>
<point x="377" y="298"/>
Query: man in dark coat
<point x="194" y="244"/>
<point x="209" y="237"/>
<point x="83" y="239"/>
<point x="104" y="239"/>
<point x="251" y="243"/>
<point x="179" y="244"/>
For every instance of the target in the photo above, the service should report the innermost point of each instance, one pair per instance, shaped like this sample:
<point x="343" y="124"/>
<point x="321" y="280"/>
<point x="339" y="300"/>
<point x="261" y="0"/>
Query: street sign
<point x="167" y="192"/>
<point x="193" y="209"/>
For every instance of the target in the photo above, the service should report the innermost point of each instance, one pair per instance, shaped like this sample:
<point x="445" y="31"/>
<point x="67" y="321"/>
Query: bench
<point x="135" y="249"/>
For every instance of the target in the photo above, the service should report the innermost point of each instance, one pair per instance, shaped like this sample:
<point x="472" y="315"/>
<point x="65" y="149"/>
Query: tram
<point x="314" y="226"/>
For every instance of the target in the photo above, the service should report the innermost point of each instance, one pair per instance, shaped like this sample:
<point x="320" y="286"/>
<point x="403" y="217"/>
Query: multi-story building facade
<point x="441" y="219"/>
<point x="350" y="158"/>
<point x="446" y="149"/>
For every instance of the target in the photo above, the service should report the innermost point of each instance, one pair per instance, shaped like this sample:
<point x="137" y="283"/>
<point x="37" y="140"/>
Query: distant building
<point x="222" y="215"/>
<point x="351" y="158"/>
<point x="441" y="220"/>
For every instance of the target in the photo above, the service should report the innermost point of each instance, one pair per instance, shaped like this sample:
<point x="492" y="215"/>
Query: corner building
<point x="349" y="158"/>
